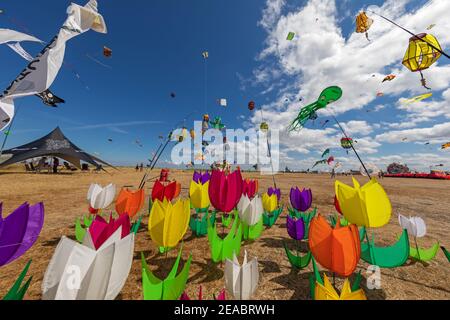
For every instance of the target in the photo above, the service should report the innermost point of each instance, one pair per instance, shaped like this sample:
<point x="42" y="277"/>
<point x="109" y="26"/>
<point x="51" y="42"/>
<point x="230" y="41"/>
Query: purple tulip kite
<point x="296" y="228"/>
<point x="276" y="191"/>
<point x="19" y="231"/>
<point x="301" y="200"/>
<point x="199" y="177"/>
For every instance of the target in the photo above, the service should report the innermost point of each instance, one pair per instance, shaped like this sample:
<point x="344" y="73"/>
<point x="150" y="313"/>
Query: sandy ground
<point x="64" y="197"/>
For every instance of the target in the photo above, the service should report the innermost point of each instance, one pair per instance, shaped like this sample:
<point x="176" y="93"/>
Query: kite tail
<point x="367" y="36"/>
<point x="423" y="81"/>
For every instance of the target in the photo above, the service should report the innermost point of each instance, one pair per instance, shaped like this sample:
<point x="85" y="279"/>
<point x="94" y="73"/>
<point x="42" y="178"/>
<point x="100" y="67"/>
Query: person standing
<point x="55" y="164"/>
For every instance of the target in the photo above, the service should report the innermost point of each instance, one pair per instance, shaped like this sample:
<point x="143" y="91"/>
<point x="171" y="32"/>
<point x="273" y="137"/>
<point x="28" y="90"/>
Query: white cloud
<point x="439" y="133"/>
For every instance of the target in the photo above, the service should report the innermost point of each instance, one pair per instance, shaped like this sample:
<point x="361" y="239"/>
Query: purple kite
<point x="199" y="177"/>
<point x="276" y="191"/>
<point x="19" y="231"/>
<point x="296" y="228"/>
<point x="301" y="200"/>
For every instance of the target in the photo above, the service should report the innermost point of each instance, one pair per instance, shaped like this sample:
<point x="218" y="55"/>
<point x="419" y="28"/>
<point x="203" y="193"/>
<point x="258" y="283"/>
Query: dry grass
<point x="64" y="199"/>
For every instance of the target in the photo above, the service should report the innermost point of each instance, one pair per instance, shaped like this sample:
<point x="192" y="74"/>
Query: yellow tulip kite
<point x="199" y="195"/>
<point x="168" y="223"/>
<point x="367" y="206"/>
<point x="270" y="203"/>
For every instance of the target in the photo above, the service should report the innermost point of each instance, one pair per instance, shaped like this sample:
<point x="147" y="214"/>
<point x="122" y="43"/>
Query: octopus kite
<point x="329" y="95"/>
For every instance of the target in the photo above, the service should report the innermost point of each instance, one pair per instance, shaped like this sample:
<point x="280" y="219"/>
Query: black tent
<point x="55" y="144"/>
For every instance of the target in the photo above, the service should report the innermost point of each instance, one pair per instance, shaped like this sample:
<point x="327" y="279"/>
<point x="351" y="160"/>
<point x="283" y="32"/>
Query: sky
<point x="157" y="50"/>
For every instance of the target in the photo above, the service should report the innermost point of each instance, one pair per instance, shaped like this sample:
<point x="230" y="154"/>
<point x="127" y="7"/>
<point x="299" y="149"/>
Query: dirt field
<point x="64" y="197"/>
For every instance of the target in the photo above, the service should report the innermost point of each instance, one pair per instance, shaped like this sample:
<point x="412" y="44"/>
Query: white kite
<point x="101" y="198"/>
<point x="40" y="73"/>
<point x="415" y="226"/>
<point x="79" y="272"/>
<point x="241" y="281"/>
<point x="250" y="211"/>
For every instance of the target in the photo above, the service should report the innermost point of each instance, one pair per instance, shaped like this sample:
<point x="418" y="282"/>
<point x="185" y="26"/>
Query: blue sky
<point x="157" y="48"/>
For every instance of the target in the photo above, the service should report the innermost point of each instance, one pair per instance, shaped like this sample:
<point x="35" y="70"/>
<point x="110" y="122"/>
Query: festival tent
<point x="55" y="144"/>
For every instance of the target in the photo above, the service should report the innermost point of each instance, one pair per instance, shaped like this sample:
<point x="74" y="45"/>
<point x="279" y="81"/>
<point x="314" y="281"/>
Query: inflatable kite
<point x="363" y="24"/>
<point x="386" y="257"/>
<point x="222" y="249"/>
<point x="445" y="146"/>
<point x="322" y="289"/>
<point x="198" y="177"/>
<point x="199" y="222"/>
<point x="367" y="206"/>
<point x="171" y="288"/>
<point x="270" y="203"/>
<point x="39" y="75"/>
<point x="82" y="272"/>
<point x="168" y="191"/>
<point x="329" y="95"/>
<point x="307" y="217"/>
<point x="19" y="231"/>
<point x="420" y="55"/>
<point x="295" y="228"/>
<point x="275" y="191"/>
<point x="418" y="98"/>
<point x="17" y="291"/>
<point x="249" y="187"/>
<point x="225" y="191"/>
<point x="300" y="200"/>
<point x="251" y="105"/>
<point x="168" y="223"/>
<point x="290" y="36"/>
<point x="199" y="196"/>
<point x="130" y="202"/>
<point x="101" y="198"/>
<point x="241" y="280"/>
<point x="417" y="228"/>
<point x="389" y="78"/>
<point x="338" y="249"/>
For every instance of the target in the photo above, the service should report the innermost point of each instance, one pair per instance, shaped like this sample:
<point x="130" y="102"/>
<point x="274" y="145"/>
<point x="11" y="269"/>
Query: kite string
<point x="269" y="150"/>
<point x="414" y="35"/>
<point x="354" y="150"/>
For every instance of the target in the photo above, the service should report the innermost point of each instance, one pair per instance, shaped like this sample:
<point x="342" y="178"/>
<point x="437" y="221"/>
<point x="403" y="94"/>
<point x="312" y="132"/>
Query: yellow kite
<point x="328" y="292"/>
<point x="368" y="206"/>
<point x="270" y="203"/>
<point x="168" y="223"/>
<point x="199" y="195"/>
<point x="418" y="98"/>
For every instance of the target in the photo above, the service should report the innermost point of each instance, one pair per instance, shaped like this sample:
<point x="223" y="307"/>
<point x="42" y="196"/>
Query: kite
<point x="389" y="78"/>
<point x="336" y="249"/>
<point x="101" y="198"/>
<point x="205" y="54"/>
<point x="250" y="214"/>
<point x="19" y="231"/>
<point x="241" y="280"/>
<point x="270" y="202"/>
<point x="301" y="200"/>
<point x="171" y="288"/>
<point x="330" y="160"/>
<point x="445" y="146"/>
<point x="217" y="123"/>
<point x="386" y="257"/>
<point x="264" y="127"/>
<point x="416" y="227"/>
<point x="168" y="223"/>
<point x="17" y="291"/>
<point x="168" y="191"/>
<point x="130" y="202"/>
<point x="222" y="249"/>
<point x="418" y="98"/>
<point x="222" y="102"/>
<point x="107" y="52"/>
<point x="251" y="105"/>
<point x="325" y="123"/>
<point x="173" y="95"/>
<point x="420" y="55"/>
<point x="404" y="139"/>
<point x="307" y="217"/>
<point x="346" y="143"/>
<point x="198" y="193"/>
<point x="380" y="94"/>
<point x="367" y="206"/>
<point x="329" y="95"/>
<point x="295" y="227"/>
<point x="102" y="264"/>
<point x="325" y="153"/>
<point x="39" y="75"/>
<point x="290" y="36"/>
<point x="431" y="26"/>
<point x="320" y="162"/>
<point x="322" y="289"/>
<point x="363" y="24"/>
<point x="225" y="191"/>
<point x="249" y="188"/>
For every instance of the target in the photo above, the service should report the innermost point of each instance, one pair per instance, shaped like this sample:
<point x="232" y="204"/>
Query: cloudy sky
<point x="157" y="48"/>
